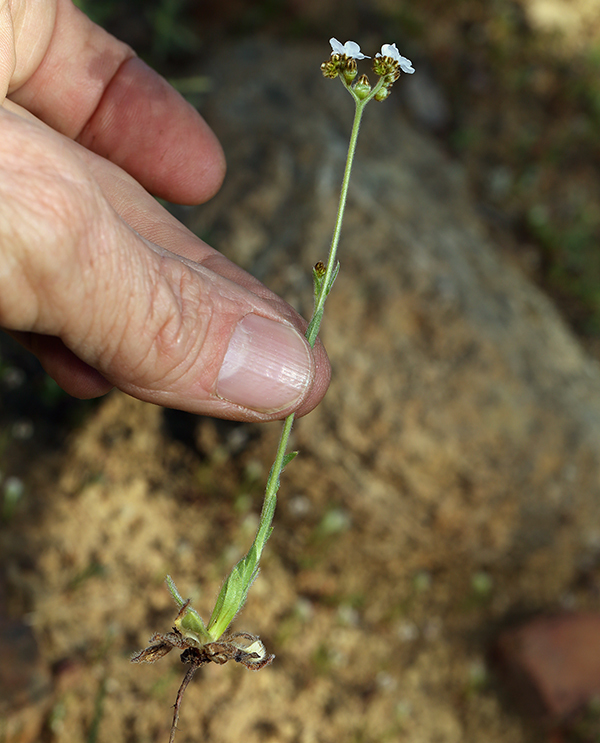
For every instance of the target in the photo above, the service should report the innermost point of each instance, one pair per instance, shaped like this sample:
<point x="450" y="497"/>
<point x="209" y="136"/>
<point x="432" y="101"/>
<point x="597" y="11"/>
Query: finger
<point x="87" y="85"/>
<point x="143" y="125"/>
<point x="161" y="328"/>
<point x="70" y="373"/>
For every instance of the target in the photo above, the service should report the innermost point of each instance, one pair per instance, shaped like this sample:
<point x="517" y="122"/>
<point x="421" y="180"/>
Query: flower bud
<point x="319" y="270"/>
<point x="362" y="88"/>
<point x="382" y="94"/>
<point x="350" y="70"/>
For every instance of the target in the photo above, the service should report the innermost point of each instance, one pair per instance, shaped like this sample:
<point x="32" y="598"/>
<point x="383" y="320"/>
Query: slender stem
<point x="235" y="588"/>
<point x="273" y="482"/>
<point x="315" y="323"/>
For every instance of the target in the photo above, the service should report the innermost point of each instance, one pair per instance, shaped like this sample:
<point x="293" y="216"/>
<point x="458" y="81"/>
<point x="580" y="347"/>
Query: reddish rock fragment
<point x="551" y="665"/>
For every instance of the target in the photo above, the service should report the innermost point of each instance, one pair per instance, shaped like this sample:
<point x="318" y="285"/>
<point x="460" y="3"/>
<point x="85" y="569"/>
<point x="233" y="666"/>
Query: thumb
<point x="162" y="328"/>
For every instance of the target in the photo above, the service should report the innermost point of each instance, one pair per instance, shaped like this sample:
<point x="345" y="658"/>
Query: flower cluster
<point x="387" y="64"/>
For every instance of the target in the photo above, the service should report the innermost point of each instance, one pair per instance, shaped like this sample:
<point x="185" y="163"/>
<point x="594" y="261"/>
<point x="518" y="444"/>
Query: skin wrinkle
<point x="127" y="267"/>
<point x="90" y="64"/>
<point x="53" y="224"/>
<point x="25" y="25"/>
<point x="95" y="262"/>
<point x="170" y="283"/>
<point x="87" y="131"/>
<point x="224" y="316"/>
<point x="72" y="224"/>
<point x="83" y="259"/>
<point x="195" y="317"/>
<point x="178" y="325"/>
<point x="174" y="329"/>
<point x="105" y="331"/>
<point x="8" y="58"/>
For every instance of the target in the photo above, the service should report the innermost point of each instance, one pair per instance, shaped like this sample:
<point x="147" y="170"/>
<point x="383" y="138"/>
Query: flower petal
<point x="350" y="49"/>
<point x="391" y="50"/>
<point x="336" y="46"/>
<point x="353" y="50"/>
<point x="406" y="65"/>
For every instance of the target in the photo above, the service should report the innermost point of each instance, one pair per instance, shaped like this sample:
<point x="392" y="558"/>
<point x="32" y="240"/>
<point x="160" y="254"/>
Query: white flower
<point x="390" y="50"/>
<point x="350" y="49"/>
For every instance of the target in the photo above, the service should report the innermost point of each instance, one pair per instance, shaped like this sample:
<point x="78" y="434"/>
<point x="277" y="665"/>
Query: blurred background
<point x="374" y="647"/>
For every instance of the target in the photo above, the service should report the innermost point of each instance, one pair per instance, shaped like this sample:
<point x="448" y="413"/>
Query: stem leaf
<point x="234" y="592"/>
<point x="192" y="621"/>
<point x="288" y="458"/>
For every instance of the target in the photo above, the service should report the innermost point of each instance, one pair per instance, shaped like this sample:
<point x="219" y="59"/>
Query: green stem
<point x="235" y="589"/>
<point x="315" y="323"/>
<point x="266" y="515"/>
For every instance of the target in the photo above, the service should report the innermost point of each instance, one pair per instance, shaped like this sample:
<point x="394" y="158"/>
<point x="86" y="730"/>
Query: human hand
<point x="96" y="278"/>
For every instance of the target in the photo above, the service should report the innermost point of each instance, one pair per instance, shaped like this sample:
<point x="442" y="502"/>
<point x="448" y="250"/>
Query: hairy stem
<point x="312" y="331"/>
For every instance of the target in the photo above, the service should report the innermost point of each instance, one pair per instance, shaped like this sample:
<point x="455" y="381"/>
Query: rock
<point x="552" y="664"/>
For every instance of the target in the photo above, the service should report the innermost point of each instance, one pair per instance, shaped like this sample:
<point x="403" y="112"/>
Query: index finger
<point x="91" y="87"/>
